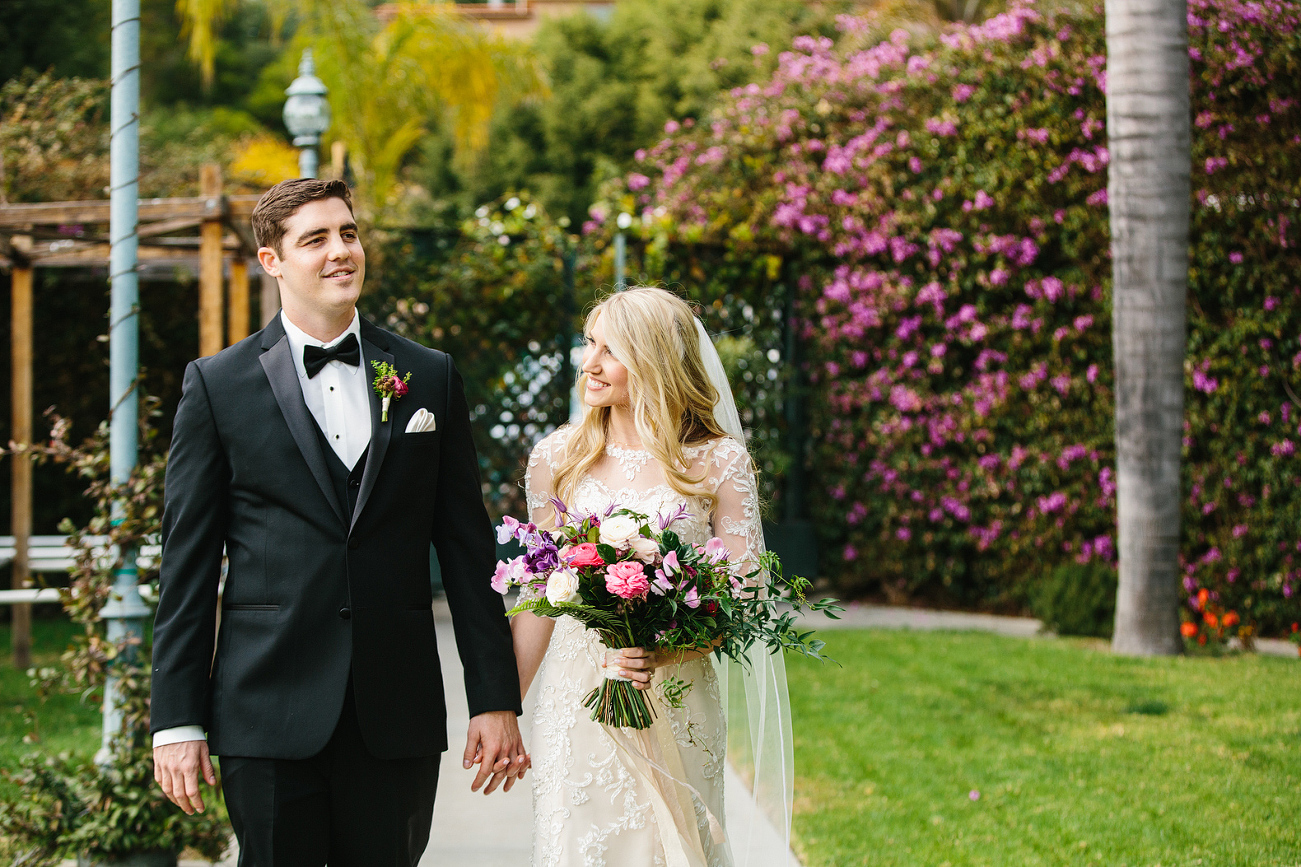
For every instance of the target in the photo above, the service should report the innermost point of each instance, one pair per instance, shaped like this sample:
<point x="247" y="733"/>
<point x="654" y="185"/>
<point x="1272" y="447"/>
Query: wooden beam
<point x="237" y="321"/>
<point x="210" y="261"/>
<point x="20" y="349"/>
<point x="23" y="216"/>
<point x="270" y="300"/>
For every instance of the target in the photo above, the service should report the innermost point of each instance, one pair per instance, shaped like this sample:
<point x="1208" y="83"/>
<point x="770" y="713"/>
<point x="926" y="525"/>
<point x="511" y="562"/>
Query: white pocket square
<point x="422" y="421"/>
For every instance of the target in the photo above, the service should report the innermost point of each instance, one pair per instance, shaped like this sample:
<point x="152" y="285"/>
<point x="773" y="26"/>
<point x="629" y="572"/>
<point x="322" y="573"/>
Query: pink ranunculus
<point x="398" y="386"/>
<point x="585" y="555"/>
<point x="627" y="580"/>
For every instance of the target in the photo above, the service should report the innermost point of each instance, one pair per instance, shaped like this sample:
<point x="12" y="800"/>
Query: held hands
<point x="176" y="769"/>
<point x="496" y="746"/>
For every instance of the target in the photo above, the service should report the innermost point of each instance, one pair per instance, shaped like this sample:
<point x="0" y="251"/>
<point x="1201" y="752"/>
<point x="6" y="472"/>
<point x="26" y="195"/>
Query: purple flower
<point x="508" y="530"/>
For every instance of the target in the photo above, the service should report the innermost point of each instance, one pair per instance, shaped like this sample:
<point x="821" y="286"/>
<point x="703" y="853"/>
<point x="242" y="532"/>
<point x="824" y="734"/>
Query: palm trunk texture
<point x="1148" y="194"/>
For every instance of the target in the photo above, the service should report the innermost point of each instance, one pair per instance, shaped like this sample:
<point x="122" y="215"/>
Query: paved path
<point x="859" y="616"/>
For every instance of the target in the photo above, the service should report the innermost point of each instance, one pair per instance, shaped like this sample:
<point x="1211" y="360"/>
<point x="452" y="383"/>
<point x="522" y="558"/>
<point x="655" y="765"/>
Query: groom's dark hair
<point x="281" y="201"/>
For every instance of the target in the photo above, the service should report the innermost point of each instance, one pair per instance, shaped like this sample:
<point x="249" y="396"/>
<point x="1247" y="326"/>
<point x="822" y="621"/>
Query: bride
<point x="659" y="435"/>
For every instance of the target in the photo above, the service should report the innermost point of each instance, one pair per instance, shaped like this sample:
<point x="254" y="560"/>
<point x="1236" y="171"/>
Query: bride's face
<point x="607" y="378"/>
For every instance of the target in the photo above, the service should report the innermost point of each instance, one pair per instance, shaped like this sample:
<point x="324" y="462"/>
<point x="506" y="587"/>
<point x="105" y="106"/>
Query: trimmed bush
<point x="1076" y="599"/>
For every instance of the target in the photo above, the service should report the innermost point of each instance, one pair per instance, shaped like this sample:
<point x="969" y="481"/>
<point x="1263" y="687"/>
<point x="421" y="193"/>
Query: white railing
<point x="48" y="554"/>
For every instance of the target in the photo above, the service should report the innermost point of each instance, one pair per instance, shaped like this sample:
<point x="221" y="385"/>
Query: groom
<point x="321" y="692"/>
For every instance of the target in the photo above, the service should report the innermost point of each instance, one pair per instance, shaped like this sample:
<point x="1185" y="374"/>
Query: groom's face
<point x="322" y="266"/>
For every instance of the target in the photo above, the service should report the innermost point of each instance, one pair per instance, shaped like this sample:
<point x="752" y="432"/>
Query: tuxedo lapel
<point x="374" y="347"/>
<point x="278" y="364"/>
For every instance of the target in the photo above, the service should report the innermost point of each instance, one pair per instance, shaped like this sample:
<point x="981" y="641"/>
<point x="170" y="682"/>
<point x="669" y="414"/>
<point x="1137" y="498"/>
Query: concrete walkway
<point x="859" y="616"/>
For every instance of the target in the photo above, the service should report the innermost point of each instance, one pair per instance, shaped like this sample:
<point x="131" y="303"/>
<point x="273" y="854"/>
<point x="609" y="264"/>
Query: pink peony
<point x="585" y="555"/>
<point x="627" y="580"/>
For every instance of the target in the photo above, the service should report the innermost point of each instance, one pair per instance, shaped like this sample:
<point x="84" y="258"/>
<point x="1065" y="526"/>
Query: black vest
<point x="347" y="483"/>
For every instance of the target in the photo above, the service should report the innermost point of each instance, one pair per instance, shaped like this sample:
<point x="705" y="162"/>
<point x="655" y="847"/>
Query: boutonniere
<point x="388" y="385"/>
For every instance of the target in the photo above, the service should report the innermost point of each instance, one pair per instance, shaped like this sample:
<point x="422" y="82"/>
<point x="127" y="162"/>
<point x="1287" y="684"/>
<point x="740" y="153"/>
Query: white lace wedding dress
<point x="594" y="803"/>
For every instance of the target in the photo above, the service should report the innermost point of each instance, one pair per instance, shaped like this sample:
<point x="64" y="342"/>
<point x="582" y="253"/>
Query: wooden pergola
<point x="211" y="230"/>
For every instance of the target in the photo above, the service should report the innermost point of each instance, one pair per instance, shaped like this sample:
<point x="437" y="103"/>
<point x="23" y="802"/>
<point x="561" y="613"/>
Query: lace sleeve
<point x="736" y="519"/>
<point x="538" y="492"/>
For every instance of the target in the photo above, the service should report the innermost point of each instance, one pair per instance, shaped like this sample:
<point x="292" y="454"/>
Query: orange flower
<point x="1231" y="620"/>
<point x="1211" y="620"/>
<point x="1202" y="596"/>
<point x="1188" y="629"/>
<point x="1294" y="626"/>
<point x="1201" y="639"/>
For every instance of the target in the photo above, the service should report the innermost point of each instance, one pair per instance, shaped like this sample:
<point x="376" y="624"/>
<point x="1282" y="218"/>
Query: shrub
<point x="1076" y="599"/>
<point x="493" y="293"/>
<point x="943" y="201"/>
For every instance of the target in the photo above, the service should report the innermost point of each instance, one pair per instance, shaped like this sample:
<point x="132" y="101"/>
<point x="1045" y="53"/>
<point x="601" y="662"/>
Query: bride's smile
<point x="606" y="378"/>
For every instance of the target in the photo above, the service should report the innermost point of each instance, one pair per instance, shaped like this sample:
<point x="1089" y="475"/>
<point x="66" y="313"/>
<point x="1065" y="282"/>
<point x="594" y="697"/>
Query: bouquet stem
<point x="618" y="703"/>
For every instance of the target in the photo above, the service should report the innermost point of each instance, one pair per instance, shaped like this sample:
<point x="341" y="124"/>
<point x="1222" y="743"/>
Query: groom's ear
<point x="269" y="261"/>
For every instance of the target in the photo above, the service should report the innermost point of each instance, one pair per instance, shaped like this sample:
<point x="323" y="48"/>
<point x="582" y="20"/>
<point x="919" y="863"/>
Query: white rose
<point x="645" y="549"/>
<point x="562" y="586"/>
<point x="618" y="530"/>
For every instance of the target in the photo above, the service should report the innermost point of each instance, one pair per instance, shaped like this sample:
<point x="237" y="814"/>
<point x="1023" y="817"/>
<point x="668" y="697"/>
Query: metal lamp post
<point x="307" y="114"/>
<point x="624" y="222"/>
<point x="125" y="611"/>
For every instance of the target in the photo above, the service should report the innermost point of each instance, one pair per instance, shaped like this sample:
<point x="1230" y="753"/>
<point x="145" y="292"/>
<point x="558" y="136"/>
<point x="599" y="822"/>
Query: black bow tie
<point x="316" y="357"/>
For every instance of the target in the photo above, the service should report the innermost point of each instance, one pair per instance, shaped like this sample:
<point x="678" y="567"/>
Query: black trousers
<point x="342" y="807"/>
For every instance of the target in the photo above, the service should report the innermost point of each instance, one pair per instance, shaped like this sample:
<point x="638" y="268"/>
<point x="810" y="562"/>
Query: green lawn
<point x="1079" y="757"/>
<point x="64" y="721"/>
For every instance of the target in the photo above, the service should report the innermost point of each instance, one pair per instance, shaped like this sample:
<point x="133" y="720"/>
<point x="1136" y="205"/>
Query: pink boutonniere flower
<point x="388" y="385"/>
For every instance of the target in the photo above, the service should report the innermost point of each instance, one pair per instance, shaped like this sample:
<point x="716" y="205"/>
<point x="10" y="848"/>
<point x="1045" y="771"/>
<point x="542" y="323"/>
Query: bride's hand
<point x="635" y="663"/>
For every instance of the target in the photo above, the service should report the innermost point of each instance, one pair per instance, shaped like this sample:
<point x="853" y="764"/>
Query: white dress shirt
<point x="338" y="398"/>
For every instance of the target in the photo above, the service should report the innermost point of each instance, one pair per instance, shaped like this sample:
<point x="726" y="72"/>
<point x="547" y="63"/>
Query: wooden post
<point x="21" y="406"/>
<point x="210" y="262"/>
<point x="237" y="320"/>
<point x="270" y="301"/>
<point x="338" y="154"/>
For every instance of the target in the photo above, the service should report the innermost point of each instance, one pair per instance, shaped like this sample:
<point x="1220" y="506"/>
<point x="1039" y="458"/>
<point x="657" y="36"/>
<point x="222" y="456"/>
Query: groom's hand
<point x="177" y="767"/>
<point x="496" y="746"/>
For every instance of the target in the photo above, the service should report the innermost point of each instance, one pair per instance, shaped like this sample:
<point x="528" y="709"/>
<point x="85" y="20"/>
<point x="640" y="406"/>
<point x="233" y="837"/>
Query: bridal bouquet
<point x="638" y="584"/>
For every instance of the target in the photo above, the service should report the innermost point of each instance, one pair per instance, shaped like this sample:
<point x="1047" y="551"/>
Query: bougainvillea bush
<point x="943" y="199"/>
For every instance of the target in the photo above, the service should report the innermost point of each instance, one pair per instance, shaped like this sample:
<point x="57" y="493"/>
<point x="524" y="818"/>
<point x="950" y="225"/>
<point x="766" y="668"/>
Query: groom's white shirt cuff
<point x="177" y="735"/>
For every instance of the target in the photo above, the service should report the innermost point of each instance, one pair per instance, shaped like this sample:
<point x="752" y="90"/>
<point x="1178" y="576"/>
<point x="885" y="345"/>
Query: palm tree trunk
<point x="1148" y="191"/>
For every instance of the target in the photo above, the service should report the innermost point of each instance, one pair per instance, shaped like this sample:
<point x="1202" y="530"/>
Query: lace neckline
<point x="630" y="460"/>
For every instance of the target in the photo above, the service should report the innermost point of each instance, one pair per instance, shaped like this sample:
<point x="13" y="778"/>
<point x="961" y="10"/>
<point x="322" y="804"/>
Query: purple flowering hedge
<point x="943" y="201"/>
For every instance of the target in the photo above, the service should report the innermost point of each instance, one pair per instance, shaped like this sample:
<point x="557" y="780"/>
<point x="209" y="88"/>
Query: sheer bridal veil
<point x="760" y="784"/>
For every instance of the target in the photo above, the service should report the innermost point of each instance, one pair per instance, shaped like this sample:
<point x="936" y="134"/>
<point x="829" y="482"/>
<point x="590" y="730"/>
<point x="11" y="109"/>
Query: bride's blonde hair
<point x="652" y="332"/>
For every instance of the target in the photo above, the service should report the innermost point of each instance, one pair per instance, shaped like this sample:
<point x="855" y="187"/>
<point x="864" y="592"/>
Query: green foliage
<point x="613" y="86"/>
<point x="70" y="806"/>
<point x="70" y="40"/>
<point x="53" y="138"/>
<point x="1074" y="756"/>
<point x="493" y="293"/>
<point x="1076" y="599"/>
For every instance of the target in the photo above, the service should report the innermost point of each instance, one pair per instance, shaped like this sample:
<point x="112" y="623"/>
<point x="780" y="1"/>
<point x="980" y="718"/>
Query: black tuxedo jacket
<point x="312" y="596"/>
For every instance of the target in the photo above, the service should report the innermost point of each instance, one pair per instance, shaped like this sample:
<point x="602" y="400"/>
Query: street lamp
<point x="624" y="222"/>
<point x="307" y="114"/>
